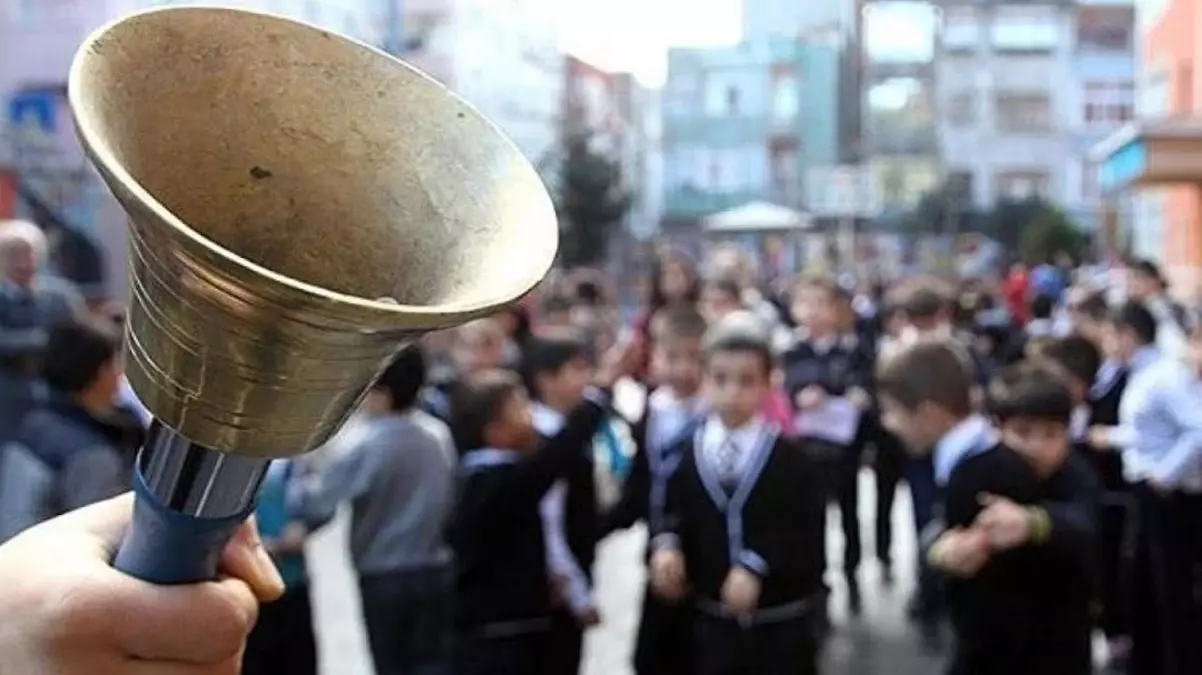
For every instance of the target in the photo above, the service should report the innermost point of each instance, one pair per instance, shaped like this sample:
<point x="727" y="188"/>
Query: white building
<point x="500" y="55"/>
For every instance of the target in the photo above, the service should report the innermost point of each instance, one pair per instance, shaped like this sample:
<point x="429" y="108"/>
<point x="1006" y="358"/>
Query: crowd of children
<point x="487" y="465"/>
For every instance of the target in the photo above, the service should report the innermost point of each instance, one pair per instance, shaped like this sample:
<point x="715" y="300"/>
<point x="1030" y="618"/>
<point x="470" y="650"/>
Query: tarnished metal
<point x="282" y="184"/>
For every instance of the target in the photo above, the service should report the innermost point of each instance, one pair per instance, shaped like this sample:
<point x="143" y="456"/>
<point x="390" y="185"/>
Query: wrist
<point x="1039" y="525"/>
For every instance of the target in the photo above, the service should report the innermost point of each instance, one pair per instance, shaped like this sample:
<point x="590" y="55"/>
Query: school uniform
<point x="1066" y="570"/>
<point x="664" y="645"/>
<point x="748" y="497"/>
<point x="836" y="364"/>
<point x="1114" y="500"/>
<point x="992" y="612"/>
<point x="503" y="599"/>
<point x="1160" y="432"/>
<point x="570" y="527"/>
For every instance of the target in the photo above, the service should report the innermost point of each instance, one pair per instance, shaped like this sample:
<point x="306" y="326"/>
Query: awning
<point x="756" y="217"/>
<point x="1148" y="153"/>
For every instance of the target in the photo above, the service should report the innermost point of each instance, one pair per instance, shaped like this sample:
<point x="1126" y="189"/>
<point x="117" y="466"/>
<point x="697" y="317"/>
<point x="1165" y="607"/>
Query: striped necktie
<point x="728" y="463"/>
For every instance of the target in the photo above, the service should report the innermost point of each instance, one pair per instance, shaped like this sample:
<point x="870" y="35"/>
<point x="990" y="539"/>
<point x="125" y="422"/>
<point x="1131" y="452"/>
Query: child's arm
<point x="669" y="542"/>
<point x="633" y="504"/>
<point x="1067" y="524"/>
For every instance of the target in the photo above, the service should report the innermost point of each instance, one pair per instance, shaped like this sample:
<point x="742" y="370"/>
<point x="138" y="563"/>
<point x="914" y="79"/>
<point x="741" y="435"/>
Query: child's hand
<point x="859" y="398"/>
<point x="811" y="397"/>
<point x="961" y="552"/>
<point x="588" y="617"/>
<point x="1007" y="524"/>
<point x="1099" y="438"/>
<point x="741" y="591"/>
<point x="668" y="573"/>
<point x="617" y="362"/>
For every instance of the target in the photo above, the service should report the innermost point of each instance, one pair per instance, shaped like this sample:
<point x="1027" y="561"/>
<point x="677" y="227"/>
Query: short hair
<point x="477" y="402"/>
<point x="1078" y="356"/>
<point x="1031" y="390"/>
<point x="77" y="350"/>
<point x="678" y="323"/>
<point x="1149" y="269"/>
<point x="547" y="354"/>
<point x="1043" y="306"/>
<point x="925" y="301"/>
<point x="1093" y="305"/>
<point x="404" y="378"/>
<point x="24" y="232"/>
<point x="740" y="332"/>
<point x="1135" y="317"/>
<point x="929" y="371"/>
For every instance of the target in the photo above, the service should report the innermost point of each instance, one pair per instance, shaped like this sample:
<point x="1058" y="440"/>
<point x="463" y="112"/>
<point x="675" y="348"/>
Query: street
<point x="879" y="642"/>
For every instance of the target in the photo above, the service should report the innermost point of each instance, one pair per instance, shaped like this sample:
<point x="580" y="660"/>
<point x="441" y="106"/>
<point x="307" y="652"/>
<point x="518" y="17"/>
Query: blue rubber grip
<point x="167" y="547"/>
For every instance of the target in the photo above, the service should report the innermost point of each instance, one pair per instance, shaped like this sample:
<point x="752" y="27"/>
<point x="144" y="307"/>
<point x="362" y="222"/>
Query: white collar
<point x="547" y="421"/>
<point x="1144" y="357"/>
<point x="970" y="436"/>
<point x="716" y="431"/>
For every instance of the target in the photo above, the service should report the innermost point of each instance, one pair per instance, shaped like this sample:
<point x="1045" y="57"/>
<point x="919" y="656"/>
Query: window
<point x="1024" y="30"/>
<point x="1154" y="95"/>
<point x="1108" y="103"/>
<point x="732" y="101"/>
<point x="1020" y="184"/>
<point x="722" y="96"/>
<point x="961" y="29"/>
<point x="785" y="97"/>
<point x="1105" y="29"/>
<point x="1023" y="113"/>
<point x="961" y="109"/>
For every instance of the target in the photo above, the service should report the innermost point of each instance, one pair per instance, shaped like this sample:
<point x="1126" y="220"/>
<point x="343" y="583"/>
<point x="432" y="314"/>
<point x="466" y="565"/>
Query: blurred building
<point x="766" y="19"/>
<point x="1156" y="162"/>
<point x="742" y="124"/>
<point x="1023" y="89"/>
<point x="501" y="55"/>
<point x="43" y="173"/>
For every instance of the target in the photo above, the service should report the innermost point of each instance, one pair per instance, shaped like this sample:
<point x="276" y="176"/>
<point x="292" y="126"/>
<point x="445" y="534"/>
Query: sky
<point x="634" y="35"/>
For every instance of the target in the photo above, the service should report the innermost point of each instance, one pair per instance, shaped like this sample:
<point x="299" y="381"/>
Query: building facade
<point x="790" y="19"/>
<point x="743" y="124"/>
<point x="500" y="55"/>
<point x="1023" y="90"/>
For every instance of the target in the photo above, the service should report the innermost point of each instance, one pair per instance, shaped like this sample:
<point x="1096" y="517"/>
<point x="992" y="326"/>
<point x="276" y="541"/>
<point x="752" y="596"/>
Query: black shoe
<point x="855" y="603"/>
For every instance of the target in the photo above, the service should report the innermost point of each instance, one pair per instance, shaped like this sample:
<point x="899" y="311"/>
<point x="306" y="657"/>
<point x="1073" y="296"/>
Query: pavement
<point x="880" y="641"/>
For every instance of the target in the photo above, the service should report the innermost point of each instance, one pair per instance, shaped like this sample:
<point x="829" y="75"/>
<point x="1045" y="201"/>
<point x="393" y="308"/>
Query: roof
<point x="757" y="215"/>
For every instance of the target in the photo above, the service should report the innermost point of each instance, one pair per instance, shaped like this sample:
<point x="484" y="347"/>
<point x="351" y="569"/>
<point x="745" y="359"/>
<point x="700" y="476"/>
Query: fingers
<point x="245" y="558"/>
<point x="230" y="667"/>
<point x="135" y="613"/>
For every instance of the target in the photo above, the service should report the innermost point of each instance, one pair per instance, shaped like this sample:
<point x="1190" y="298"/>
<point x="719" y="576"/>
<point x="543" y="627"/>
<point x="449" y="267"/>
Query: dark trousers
<point x="409" y="619"/>
<point x="1113" y="595"/>
<point x="842" y="471"/>
<point x="665" y="640"/>
<point x="565" y="647"/>
<point x="511" y="655"/>
<point x="1166" y="626"/>
<point x="888" y="463"/>
<point x="724" y="647"/>
<point x="924" y="496"/>
<point x="283" y="640"/>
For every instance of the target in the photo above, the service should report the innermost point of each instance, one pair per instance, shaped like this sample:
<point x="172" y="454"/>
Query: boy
<point x="744" y="525"/>
<point x="398" y="474"/>
<point x="1034" y="407"/>
<point x="671" y="416"/>
<point x="927" y="398"/>
<point x="67" y="453"/>
<point x="503" y="591"/>
<point x="556" y="370"/>
<point x="828" y="377"/>
<point x="476" y="346"/>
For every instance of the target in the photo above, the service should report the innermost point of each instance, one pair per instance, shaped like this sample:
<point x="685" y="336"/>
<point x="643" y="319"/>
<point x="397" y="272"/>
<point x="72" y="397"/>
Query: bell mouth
<point x="313" y="160"/>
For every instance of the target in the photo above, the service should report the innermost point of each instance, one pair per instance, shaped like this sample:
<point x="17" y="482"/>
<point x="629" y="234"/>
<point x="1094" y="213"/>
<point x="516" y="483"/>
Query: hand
<point x="741" y="591"/>
<point x="1006" y="524"/>
<point x="290" y="542"/>
<point x="961" y="552"/>
<point x="668" y="577"/>
<point x="1099" y="438"/>
<point x="1160" y="487"/>
<point x="859" y="398"/>
<point x="73" y="614"/>
<point x="617" y="362"/>
<point x="588" y="617"/>
<point x="811" y="397"/>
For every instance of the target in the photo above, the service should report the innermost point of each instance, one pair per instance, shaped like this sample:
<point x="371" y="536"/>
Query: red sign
<point x="8" y="194"/>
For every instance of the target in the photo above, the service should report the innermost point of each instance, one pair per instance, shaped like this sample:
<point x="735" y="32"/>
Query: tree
<point x="1051" y="236"/>
<point x="591" y="201"/>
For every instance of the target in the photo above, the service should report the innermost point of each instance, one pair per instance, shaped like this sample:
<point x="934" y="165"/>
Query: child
<point x="926" y="397"/>
<point x="556" y="370"/>
<point x="476" y="347"/>
<point x="744" y="525"/>
<point x="828" y="378"/>
<point x="720" y="297"/>
<point x="672" y="415"/>
<point x="1034" y="406"/>
<point x="503" y="602"/>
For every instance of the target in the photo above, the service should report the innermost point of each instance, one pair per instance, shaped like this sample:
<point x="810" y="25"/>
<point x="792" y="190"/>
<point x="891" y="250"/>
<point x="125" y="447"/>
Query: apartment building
<point x="1023" y="90"/>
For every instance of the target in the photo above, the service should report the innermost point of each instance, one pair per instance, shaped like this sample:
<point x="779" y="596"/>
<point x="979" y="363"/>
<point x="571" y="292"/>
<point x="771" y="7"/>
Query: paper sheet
<point x="835" y="421"/>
